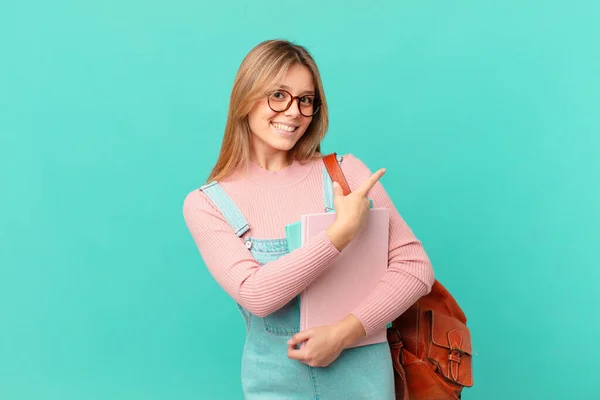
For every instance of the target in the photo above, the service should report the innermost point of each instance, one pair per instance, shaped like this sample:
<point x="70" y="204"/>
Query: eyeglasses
<point x="280" y="100"/>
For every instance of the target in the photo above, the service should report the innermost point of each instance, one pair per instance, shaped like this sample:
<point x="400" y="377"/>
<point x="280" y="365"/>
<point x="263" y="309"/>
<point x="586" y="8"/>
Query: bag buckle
<point x="455" y="354"/>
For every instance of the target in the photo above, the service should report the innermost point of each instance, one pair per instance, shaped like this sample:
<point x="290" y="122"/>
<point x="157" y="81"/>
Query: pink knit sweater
<point x="272" y="199"/>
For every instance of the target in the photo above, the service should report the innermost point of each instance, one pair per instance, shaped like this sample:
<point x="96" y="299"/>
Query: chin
<point x="282" y="146"/>
<point x="282" y="143"/>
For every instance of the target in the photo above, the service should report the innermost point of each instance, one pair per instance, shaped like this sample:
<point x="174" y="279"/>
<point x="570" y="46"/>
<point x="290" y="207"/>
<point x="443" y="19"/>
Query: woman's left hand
<point x="322" y="347"/>
<point x="324" y="344"/>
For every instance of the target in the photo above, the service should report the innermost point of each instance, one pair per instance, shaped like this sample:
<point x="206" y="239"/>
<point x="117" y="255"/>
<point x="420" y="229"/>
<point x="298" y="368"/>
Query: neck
<point x="271" y="162"/>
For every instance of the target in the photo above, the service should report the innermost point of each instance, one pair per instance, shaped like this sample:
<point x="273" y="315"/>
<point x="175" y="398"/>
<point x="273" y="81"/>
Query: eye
<point x="307" y="100"/>
<point x="277" y="95"/>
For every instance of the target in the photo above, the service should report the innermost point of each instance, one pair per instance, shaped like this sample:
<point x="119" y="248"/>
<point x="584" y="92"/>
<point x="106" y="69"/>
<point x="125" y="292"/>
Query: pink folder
<point x="351" y="277"/>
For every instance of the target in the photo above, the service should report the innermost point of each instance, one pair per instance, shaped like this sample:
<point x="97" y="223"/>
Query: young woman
<point x="270" y="172"/>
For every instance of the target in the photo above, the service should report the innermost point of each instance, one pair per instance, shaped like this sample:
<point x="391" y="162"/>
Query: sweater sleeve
<point x="409" y="275"/>
<point x="259" y="289"/>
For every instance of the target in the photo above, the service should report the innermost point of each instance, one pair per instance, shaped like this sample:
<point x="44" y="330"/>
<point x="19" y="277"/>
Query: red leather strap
<point x="397" y="351"/>
<point x="335" y="172"/>
<point x="455" y="340"/>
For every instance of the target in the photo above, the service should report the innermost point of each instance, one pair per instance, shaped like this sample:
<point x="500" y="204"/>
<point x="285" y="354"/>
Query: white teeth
<point x="284" y="127"/>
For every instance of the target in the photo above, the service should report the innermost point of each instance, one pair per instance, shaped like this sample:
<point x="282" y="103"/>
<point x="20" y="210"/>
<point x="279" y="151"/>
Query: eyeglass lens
<point x="281" y="100"/>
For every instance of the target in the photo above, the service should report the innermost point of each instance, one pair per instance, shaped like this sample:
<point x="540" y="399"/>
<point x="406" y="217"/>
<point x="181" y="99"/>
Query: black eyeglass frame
<point x="316" y="104"/>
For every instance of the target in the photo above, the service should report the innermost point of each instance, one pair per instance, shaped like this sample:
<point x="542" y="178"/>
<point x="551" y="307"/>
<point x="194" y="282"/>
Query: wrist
<point x="349" y="331"/>
<point x="339" y="236"/>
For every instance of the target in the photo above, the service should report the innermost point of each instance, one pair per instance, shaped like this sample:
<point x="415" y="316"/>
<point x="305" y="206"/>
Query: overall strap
<point x="328" y="187"/>
<point x="226" y="206"/>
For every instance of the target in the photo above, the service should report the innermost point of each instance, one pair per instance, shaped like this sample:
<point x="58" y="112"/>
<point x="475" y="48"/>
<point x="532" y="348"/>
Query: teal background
<point x="484" y="113"/>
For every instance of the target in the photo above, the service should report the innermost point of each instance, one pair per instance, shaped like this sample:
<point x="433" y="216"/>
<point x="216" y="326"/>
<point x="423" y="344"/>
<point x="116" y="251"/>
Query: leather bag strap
<point x="335" y="172"/>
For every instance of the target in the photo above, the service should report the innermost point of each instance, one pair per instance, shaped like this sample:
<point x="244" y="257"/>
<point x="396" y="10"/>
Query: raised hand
<point x="351" y="211"/>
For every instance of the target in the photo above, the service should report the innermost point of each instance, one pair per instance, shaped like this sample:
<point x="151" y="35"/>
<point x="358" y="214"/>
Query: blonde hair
<point x="263" y="68"/>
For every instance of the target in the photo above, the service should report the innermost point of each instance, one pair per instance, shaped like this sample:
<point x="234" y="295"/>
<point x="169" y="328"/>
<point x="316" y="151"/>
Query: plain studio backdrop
<point x="486" y="115"/>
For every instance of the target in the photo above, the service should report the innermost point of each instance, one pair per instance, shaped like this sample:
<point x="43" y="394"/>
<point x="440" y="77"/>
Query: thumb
<point x="300" y="337"/>
<point x="337" y="189"/>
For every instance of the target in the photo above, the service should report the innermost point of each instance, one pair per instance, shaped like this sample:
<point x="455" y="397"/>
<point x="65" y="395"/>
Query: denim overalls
<point x="267" y="373"/>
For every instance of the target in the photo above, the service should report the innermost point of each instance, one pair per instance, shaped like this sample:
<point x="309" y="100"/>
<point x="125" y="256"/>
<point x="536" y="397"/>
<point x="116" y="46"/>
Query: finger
<point x="300" y="337"/>
<point x="369" y="183"/>
<point x="295" y="354"/>
<point x="337" y="189"/>
<point x="296" y="347"/>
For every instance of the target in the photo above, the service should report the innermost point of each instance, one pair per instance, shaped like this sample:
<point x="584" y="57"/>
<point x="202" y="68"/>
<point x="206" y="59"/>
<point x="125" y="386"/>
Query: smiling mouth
<point x="283" y="127"/>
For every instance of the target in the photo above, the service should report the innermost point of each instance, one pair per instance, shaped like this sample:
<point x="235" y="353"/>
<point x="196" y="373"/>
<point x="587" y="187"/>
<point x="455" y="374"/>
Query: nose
<point x="294" y="108"/>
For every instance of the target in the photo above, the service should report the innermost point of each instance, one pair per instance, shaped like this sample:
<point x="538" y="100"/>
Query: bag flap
<point x="451" y="348"/>
<point x="450" y="333"/>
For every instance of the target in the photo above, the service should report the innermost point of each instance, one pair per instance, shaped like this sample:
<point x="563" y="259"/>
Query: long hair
<point x="263" y="68"/>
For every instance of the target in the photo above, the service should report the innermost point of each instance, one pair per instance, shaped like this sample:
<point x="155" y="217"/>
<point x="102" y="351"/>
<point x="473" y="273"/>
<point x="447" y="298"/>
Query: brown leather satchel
<point x="430" y="342"/>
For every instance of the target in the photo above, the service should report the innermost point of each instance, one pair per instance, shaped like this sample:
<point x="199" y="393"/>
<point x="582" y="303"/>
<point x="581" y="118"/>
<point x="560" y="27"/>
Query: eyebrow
<point x="305" y="92"/>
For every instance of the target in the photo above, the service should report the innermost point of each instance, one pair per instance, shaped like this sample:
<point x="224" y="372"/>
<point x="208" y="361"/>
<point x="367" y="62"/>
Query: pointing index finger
<point x="369" y="183"/>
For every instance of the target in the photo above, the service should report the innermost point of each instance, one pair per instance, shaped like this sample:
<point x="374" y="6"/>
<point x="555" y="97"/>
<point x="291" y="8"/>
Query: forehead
<point x="298" y="79"/>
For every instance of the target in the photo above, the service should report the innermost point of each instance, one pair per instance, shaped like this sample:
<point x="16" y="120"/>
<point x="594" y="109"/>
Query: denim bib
<point x="364" y="372"/>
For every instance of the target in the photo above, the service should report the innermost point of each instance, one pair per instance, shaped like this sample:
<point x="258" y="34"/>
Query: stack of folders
<point x="350" y="278"/>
